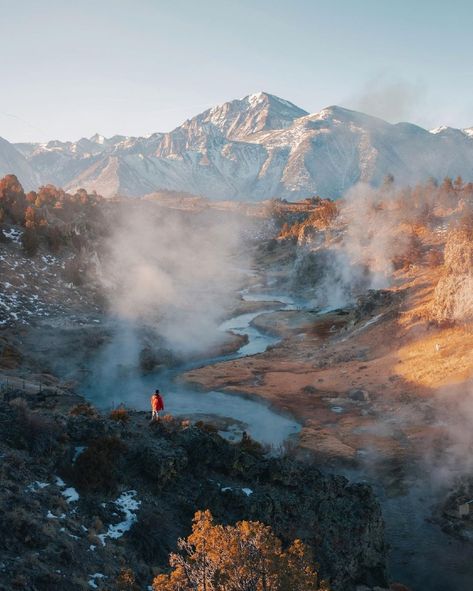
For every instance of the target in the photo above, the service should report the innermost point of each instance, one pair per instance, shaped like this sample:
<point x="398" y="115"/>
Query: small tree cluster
<point x="120" y="415"/>
<point x="244" y="557"/>
<point x="46" y="215"/>
<point x="320" y="216"/>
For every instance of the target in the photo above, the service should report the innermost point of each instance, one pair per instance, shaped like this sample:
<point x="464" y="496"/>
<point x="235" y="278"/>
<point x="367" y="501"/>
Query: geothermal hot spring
<point x="420" y="554"/>
<point x="232" y="413"/>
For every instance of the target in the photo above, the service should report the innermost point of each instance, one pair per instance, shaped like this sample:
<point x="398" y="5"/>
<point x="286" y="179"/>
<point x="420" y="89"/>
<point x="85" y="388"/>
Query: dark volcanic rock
<point x="375" y="301"/>
<point x="358" y="395"/>
<point x="169" y="470"/>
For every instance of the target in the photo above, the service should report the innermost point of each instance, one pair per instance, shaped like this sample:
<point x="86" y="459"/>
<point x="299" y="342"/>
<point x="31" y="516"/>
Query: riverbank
<point x="366" y="384"/>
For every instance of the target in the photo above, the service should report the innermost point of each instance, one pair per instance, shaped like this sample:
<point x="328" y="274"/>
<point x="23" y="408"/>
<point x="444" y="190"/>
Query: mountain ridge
<point x="254" y="148"/>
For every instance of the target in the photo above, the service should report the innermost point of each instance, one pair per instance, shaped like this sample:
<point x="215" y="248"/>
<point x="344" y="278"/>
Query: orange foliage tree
<point x="244" y="557"/>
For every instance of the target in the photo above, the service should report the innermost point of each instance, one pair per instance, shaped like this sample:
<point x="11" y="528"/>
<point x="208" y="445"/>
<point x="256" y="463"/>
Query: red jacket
<point x="157" y="402"/>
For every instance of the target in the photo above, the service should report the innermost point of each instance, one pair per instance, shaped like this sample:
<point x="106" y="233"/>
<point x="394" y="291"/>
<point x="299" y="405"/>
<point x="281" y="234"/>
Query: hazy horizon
<point x="135" y="68"/>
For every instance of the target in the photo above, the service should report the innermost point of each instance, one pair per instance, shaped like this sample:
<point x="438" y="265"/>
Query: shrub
<point x="243" y="557"/>
<point x="40" y="434"/>
<point x="83" y="409"/>
<point x="434" y="258"/>
<point x="30" y="241"/>
<point x="453" y="295"/>
<point x="458" y="255"/>
<point x="96" y="469"/>
<point x="126" y="580"/>
<point x="248" y="444"/>
<point x="75" y="271"/>
<point x="206" y="427"/>
<point x="153" y="535"/>
<point x="120" y="415"/>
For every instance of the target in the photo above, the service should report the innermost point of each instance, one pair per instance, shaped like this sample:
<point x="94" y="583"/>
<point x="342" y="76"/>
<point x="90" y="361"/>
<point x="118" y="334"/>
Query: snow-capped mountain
<point x="254" y="148"/>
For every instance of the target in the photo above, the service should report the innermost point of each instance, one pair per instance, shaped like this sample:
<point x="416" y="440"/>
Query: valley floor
<point x="380" y="394"/>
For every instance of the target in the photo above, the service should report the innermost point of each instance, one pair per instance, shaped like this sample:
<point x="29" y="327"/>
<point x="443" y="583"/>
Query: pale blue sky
<point x="70" y="68"/>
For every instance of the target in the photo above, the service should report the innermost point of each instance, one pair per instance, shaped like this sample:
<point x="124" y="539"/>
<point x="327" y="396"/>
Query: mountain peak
<point x="250" y="148"/>
<point x="98" y="139"/>
<point x="256" y="112"/>
<point x="255" y="98"/>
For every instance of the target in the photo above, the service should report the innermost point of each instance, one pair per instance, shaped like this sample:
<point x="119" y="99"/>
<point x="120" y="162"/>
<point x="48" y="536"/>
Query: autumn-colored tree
<point x="325" y="213"/>
<point x="126" y="580"/>
<point x="244" y="557"/>
<point x="48" y="195"/>
<point x="30" y="217"/>
<point x="11" y="189"/>
<point x="12" y="198"/>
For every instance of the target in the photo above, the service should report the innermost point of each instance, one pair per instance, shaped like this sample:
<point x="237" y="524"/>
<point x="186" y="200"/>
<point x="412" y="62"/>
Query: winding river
<point x="232" y="413"/>
<point x="421" y="555"/>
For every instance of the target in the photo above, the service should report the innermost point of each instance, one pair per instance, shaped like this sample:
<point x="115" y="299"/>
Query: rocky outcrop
<point x="107" y="494"/>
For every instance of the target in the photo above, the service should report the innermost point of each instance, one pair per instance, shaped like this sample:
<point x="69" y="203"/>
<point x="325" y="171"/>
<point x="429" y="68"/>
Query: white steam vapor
<point x="362" y="258"/>
<point x="391" y="99"/>
<point x="173" y="272"/>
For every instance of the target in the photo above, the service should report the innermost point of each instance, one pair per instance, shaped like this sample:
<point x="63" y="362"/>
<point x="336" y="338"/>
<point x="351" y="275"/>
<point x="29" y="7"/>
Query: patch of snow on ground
<point x="13" y="234"/>
<point x="128" y="505"/>
<point x="92" y="582"/>
<point x="70" y="494"/>
<point x="246" y="491"/>
<point x="77" y="451"/>
<point x="35" y="486"/>
<point x="60" y="482"/>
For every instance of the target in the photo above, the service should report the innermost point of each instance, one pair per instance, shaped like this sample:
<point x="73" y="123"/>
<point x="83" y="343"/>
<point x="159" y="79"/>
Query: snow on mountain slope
<point x="255" y="148"/>
<point x="258" y="112"/>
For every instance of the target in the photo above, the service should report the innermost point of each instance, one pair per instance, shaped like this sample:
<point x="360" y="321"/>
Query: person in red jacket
<point x="157" y="405"/>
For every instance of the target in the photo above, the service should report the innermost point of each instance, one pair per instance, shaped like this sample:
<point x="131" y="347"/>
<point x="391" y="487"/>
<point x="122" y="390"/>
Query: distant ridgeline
<point x="252" y="149"/>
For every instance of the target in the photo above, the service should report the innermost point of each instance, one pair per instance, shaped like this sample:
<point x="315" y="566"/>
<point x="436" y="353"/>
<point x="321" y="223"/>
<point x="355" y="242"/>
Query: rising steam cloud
<point x="172" y="272"/>
<point x="373" y="234"/>
<point x="390" y="98"/>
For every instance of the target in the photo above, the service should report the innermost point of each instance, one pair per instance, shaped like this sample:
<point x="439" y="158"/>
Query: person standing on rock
<point x="157" y="405"/>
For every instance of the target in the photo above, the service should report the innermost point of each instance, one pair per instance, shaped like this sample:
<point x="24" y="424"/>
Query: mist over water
<point x="112" y="382"/>
<point x="173" y="272"/>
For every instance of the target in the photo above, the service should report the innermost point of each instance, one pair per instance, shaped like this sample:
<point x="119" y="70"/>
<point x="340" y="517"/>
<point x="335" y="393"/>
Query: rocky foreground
<point x="85" y="496"/>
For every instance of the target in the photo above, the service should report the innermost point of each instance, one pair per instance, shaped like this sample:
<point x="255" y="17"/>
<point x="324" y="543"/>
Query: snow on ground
<point x="70" y="494"/>
<point x="129" y="506"/>
<point x="14" y="235"/>
<point x="77" y="452"/>
<point x="32" y="287"/>
<point x="245" y="491"/>
<point x="93" y="577"/>
<point x="35" y="486"/>
<point x="50" y="515"/>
